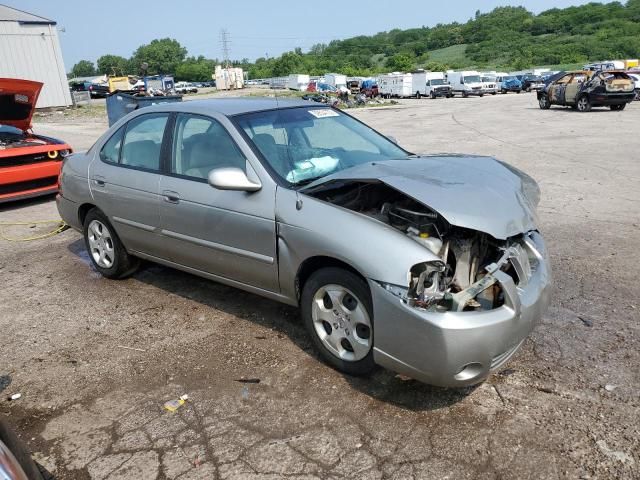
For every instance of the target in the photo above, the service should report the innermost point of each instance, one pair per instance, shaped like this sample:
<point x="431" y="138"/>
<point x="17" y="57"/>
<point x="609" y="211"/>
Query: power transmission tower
<point x="224" y="40"/>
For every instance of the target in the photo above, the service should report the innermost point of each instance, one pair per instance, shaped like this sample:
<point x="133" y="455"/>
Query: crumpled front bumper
<point x="456" y="349"/>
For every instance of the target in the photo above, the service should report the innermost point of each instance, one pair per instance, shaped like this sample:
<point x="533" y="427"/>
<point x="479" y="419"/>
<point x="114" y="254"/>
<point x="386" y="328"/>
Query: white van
<point x="396" y="84"/>
<point x="298" y="82"/>
<point x="465" y="83"/>
<point x="489" y="83"/>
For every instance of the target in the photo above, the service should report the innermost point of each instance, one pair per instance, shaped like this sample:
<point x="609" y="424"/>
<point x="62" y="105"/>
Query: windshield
<point x="304" y="144"/>
<point x="437" y="81"/>
<point x="510" y="77"/>
<point x="533" y="78"/>
<point x="472" y="79"/>
<point x="10" y="130"/>
<point x="488" y="79"/>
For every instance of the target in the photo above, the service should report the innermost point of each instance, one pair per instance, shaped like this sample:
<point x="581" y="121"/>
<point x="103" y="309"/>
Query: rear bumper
<point x="457" y="349"/>
<point x="68" y="211"/>
<point x="612" y="98"/>
<point x="32" y="180"/>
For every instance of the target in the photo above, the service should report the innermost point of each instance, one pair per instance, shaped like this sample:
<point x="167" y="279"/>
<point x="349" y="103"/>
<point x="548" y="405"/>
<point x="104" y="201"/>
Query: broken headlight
<point x="426" y="284"/>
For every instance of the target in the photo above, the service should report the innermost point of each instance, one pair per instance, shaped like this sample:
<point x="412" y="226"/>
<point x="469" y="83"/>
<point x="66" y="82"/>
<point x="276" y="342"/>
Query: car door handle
<point x="99" y="181"/>
<point x="171" y="196"/>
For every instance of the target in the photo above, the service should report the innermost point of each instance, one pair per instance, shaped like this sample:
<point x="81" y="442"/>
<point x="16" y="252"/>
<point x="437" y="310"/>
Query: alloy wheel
<point x="341" y="322"/>
<point x="101" y="244"/>
<point x="583" y="104"/>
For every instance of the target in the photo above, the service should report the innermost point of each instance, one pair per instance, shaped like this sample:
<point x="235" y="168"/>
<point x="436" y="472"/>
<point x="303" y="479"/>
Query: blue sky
<point x="93" y="28"/>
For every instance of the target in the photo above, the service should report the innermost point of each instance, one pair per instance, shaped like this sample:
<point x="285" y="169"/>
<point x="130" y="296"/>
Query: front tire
<point x="20" y="452"/>
<point x="337" y="311"/>
<point x="544" y="102"/>
<point x="107" y="254"/>
<point x="433" y="95"/>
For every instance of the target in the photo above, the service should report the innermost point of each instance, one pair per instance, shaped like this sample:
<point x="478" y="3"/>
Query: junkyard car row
<point x="277" y="197"/>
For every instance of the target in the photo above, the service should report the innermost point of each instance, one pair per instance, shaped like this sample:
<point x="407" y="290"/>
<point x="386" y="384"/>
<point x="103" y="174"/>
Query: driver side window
<point x="202" y="144"/>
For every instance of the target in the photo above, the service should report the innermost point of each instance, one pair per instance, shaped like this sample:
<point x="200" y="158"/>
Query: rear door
<point x="125" y="179"/>
<point x="227" y="233"/>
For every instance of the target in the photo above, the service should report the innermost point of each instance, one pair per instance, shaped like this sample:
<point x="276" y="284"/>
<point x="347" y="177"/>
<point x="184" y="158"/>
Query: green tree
<point x="400" y="62"/>
<point x="161" y="56"/>
<point x="195" y="69"/>
<point x="84" y="68"/>
<point x="112" y="65"/>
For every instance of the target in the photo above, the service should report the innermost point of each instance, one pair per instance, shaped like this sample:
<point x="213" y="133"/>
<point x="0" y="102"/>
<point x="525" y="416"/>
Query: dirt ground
<point x="95" y="359"/>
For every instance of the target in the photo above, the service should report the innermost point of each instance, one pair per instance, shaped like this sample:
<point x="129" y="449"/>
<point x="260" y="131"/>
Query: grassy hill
<point x="510" y="38"/>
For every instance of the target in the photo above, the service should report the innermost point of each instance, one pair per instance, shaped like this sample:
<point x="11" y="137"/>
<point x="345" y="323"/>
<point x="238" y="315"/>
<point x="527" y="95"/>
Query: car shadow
<point x="26" y="202"/>
<point x="382" y="385"/>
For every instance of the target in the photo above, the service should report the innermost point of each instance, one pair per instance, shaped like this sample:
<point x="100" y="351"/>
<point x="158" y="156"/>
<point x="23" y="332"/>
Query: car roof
<point x="231" y="106"/>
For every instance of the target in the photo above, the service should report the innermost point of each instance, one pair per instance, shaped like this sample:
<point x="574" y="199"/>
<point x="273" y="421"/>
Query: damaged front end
<point x="470" y="270"/>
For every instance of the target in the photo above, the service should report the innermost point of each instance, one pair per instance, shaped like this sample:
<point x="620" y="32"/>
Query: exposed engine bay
<point x="16" y="139"/>
<point x="471" y="265"/>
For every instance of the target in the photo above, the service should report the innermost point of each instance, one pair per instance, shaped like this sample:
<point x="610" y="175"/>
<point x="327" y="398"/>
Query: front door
<point x="125" y="178"/>
<point x="226" y="233"/>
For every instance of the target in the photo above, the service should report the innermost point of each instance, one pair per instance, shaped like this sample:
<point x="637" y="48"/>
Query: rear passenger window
<point x="143" y="141"/>
<point x="111" y="150"/>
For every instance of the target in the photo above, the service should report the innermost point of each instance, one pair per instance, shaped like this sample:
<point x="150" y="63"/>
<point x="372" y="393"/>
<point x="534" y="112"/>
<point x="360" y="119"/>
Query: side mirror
<point x="232" y="178"/>
<point x="393" y="139"/>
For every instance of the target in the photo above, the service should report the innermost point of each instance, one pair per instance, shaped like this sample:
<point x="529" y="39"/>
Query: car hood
<point x="479" y="193"/>
<point x="18" y="101"/>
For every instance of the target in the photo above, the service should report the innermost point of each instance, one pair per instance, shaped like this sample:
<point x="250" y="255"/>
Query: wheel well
<point x="313" y="264"/>
<point x="83" y="210"/>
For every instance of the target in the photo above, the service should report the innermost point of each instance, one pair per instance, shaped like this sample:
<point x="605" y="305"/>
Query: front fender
<point x="377" y="251"/>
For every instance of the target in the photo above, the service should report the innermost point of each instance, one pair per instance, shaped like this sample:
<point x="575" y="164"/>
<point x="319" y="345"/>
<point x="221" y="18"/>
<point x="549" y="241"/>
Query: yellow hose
<point x="60" y="227"/>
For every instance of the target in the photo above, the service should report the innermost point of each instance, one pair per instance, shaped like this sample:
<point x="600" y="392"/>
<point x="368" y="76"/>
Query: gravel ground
<point x="96" y="359"/>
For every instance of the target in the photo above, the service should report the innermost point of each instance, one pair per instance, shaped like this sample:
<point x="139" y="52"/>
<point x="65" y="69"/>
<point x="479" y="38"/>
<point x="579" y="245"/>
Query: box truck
<point x="466" y="83"/>
<point x="336" y="80"/>
<point x="298" y="82"/>
<point x="437" y="85"/>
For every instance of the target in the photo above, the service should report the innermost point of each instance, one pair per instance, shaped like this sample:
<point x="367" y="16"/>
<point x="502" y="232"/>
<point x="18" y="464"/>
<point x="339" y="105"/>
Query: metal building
<point x="30" y="49"/>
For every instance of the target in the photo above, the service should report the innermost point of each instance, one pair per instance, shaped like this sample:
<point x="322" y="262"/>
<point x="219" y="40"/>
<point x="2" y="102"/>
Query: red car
<point x="29" y="163"/>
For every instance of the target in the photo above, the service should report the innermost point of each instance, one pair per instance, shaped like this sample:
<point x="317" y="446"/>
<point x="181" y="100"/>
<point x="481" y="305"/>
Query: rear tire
<point x="107" y="254"/>
<point x="337" y="311"/>
<point x="618" y="108"/>
<point x="418" y="95"/>
<point x="583" y="104"/>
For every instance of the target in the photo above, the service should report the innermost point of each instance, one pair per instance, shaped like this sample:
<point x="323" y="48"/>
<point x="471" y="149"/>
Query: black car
<point x="584" y="89"/>
<point x="96" y="90"/>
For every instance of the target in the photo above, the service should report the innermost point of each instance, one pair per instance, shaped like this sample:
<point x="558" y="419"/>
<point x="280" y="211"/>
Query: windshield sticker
<point x="20" y="98"/>
<point x="323" y="113"/>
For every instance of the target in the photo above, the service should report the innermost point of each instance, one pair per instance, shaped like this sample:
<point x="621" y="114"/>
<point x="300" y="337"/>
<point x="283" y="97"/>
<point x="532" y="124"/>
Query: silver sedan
<point x="431" y="266"/>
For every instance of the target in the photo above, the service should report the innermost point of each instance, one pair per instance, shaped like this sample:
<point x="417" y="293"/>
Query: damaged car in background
<point x="430" y="266"/>
<point x="585" y="89"/>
